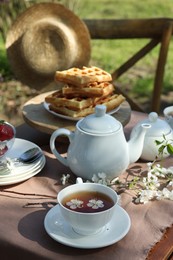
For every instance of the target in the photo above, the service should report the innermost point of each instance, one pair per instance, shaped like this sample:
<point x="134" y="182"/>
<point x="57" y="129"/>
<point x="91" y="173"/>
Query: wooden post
<point x="158" y="83"/>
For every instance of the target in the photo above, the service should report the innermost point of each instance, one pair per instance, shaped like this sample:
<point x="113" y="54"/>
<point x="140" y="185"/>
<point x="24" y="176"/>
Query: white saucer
<point x="22" y="176"/>
<point x="58" y="229"/>
<point x="22" y="173"/>
<point x="46" y="106"/>
<point x="20" y="169"/>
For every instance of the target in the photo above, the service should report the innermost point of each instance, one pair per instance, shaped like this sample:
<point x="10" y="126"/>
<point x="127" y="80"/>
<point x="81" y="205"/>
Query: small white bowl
<point x="168" y="114"/>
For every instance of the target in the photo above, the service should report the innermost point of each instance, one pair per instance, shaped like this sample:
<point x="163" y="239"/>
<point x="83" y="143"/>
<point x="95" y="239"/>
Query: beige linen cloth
<point x="24" y="206"/>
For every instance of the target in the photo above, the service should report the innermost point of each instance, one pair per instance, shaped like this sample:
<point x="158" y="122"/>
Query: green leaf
<point x="161" y="148"/>
<point x="158" y="142"/>
<point x="2" y="121"/>
<point x="170" y="149"/>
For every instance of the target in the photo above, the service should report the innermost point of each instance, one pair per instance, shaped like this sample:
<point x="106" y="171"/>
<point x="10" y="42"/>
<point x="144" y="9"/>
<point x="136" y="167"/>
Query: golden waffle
<point x="82" y="77"/>
<point x="72" y="113"/>
<point x="111" y="102"/>
<point x="57" y="99"/>
<point x="94" y="89"/>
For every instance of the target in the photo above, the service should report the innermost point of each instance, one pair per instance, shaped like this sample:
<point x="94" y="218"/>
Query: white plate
<point x="46" y="106"/>
<point x="22" y="173"/>
<point x="58" y="229"/>
<point x="23" y="177"/>
<point x="18" y="170"/>
<point x="20" y="146"/>
<point x="12" y="179"/>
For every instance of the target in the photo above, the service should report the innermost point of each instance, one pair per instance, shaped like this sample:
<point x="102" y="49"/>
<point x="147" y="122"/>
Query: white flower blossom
<point x="149" y="164"/>
<point x="65" y="178"/>
<point x="74" y="203"/>
<point x="167" y="194"/>
<point x="151" y="181"/>
<point x="104" y="182"/>
<point x="102" y="175"/>
<point x="159" y="195"/>
<point x="171" y="195"/>
<point x="170" y="170"/>
<point x="146" y="196"/>
<point x="152" y="178"/>
<point x="161" y="172"/>
<point x="101" y="179"/>
<point x="170" y="184"/>
<point x="95" y="178"/>
<point x="164" y="194"/>
<point x="95" y="204"/>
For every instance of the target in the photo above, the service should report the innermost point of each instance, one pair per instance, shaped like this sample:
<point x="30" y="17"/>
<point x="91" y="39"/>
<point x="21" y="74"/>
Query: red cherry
<point x="6" y="131"/>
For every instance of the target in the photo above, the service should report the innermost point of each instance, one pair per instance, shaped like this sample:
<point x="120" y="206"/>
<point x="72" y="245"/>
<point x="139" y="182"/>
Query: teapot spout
<point x="136" y="142"/>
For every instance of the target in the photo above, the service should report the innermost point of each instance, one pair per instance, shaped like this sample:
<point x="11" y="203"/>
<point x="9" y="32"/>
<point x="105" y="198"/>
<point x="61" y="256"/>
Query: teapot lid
<point x="158" y="126"/>
<point x="99" y="122"/>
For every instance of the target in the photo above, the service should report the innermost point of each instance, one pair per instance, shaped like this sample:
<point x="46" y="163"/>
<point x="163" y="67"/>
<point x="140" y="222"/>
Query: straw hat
<point x="45" y="38"/>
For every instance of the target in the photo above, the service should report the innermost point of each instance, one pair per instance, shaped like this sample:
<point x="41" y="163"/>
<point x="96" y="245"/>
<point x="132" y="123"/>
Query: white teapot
<point x="99" y="145"/>
<point x="159" y="128"/>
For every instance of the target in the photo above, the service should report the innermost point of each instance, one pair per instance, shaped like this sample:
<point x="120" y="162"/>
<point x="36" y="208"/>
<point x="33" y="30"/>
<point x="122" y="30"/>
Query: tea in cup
<point x="168" y="114"/>
<point x="87" y="207"/>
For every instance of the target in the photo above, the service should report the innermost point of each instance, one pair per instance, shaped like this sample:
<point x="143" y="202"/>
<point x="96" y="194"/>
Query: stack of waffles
<point x="83" y="89"/>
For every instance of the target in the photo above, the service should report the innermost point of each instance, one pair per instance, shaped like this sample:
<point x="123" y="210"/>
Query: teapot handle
<point x="55" y="134"/>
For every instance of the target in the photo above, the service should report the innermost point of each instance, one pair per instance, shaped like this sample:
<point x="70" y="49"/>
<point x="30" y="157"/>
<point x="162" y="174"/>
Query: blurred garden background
<point x="107" y="54"/>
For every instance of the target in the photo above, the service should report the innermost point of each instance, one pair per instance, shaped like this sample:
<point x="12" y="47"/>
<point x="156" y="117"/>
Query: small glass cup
<point x="6" y="145"/>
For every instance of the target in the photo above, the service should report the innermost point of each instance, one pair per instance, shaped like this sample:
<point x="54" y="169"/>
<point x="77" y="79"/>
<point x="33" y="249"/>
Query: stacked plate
<point x="21" y="172"/>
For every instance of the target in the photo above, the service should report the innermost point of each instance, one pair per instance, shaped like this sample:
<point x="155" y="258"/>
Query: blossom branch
<point x="28" y="194"/>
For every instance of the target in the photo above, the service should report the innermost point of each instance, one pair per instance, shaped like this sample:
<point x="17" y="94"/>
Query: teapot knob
<point x="153" y="116"/>
<point x="100" y="110"/>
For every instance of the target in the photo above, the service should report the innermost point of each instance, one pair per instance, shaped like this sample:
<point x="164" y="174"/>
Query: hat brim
<point x="28" y="59"/>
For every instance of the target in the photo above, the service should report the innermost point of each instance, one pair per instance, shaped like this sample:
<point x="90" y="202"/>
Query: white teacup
<point x="168" y="114"/>
<point x="87" y="223"/>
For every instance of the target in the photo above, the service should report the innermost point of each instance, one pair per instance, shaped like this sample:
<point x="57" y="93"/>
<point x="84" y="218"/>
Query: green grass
<point x="124" y="8"/>
<point x="110" y="54"/>
<point x="4" y="64"/>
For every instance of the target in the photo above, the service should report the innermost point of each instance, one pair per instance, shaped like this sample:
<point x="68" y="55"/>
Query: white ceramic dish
<point x="58" y="229"/>
<point x="21" y="173"/>
<point x="23" y="176"/>
<point x="46" y="106"/>
<point x="18" y="170"/>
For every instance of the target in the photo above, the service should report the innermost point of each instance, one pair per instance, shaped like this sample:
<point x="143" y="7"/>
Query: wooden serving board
<point x="39" y="118"/>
